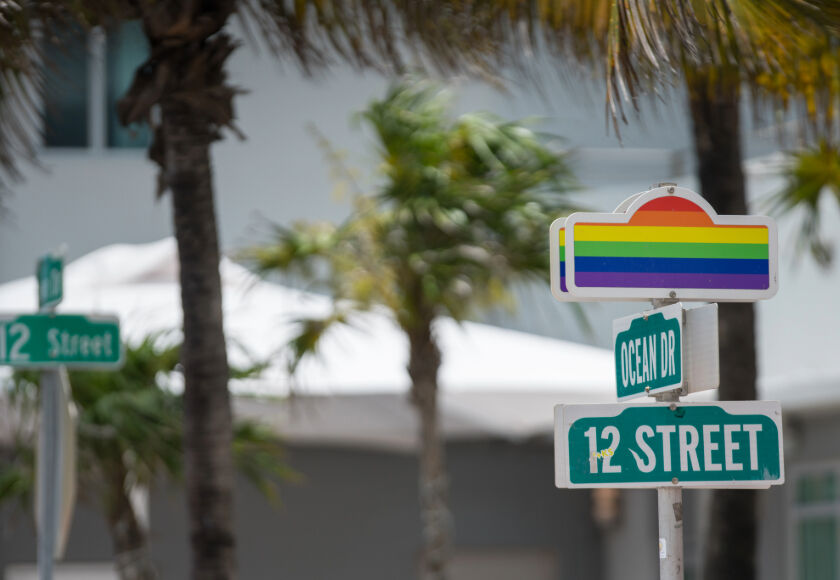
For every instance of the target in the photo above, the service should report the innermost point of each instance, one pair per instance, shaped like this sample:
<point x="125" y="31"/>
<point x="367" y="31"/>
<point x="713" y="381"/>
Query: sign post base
<point x="669" y="501"/>
<point x="48" y="469"/>
<point x="669" y="505"/>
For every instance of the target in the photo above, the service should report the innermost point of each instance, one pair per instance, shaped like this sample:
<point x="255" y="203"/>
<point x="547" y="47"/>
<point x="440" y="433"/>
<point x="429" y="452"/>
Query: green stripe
<point x="671" y="250"/>
<point x="562" y="253"/>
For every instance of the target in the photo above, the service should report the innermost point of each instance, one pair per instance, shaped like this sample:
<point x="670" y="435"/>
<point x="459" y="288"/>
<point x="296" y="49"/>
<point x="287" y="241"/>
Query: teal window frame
<point x="98" y="78"/>
<point x="814" y="525"/>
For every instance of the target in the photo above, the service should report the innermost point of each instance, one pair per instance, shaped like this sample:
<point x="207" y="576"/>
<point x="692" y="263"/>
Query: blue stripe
<point x="672" y="265"/>
<point x="563" y="269"/>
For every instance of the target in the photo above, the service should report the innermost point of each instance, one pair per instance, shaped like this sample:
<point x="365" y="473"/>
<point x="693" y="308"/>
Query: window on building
<point x="66" y="80"/>
<point x="816" y="512"/>
<point x="86" y="74"/>
<point x="126" y="49"/>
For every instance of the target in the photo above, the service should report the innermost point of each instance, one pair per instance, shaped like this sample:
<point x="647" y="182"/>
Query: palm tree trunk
<point x="423" y="366"/>
<point x="731" y="539"/>
<point x="207" y="414"/>
<point x="131" y="544"/>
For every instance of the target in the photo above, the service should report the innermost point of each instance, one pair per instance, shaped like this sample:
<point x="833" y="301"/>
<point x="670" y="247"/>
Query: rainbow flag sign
<point x="667" y="242"/>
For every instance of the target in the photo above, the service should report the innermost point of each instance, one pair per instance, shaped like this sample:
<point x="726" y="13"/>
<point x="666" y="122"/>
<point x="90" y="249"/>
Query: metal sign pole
<point x="48" y="472"/>
<point x="50" y="342"/>
<point x="50" y="293"/>
<point x="669" y="508"/>
<point x="669" y="501"/>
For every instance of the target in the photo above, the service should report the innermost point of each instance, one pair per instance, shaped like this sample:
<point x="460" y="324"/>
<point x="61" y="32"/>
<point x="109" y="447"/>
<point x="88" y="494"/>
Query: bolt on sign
<point x="720" y="445"/>
<point x="664" y="243"/>
<point x="73" y="340"/>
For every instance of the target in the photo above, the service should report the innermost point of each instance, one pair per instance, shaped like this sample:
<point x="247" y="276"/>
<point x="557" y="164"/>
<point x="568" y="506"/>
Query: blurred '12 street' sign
<point x="73" y="340"/>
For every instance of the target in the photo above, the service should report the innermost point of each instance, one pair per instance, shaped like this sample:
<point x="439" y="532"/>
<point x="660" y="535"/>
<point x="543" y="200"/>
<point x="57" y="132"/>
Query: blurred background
<point x="337" y="497"/>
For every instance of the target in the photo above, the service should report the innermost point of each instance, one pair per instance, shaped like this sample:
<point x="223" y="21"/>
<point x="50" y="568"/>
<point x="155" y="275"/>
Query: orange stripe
<point x="671" y="218"/>
<point x="633" y="222"/>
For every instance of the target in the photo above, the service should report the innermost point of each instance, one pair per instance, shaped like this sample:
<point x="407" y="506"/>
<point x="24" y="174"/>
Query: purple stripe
<point x="672" y="280"/>
<point x="563" y="284"/>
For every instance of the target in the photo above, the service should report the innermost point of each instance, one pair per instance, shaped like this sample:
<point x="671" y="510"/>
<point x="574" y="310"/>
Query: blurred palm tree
<point x="129" y="435"/>
<point x="811" y="174"/>
<point x="181" y="91"/>
<point x="462" y="214"/>
<point x="185" y="80"/>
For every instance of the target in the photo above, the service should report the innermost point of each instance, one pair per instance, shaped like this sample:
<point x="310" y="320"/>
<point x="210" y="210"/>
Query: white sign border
<point x="554" y="267"/>
<point x="554" y="255"/>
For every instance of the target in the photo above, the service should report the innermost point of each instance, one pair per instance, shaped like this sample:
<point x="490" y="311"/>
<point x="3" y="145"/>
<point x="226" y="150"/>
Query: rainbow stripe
<point x="562" y="253"/>
<point x="670" y="242"/>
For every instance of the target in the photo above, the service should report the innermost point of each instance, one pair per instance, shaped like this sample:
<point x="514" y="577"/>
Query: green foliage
<point x="129" y="429"/>
<point x="17" y="478"/>
<point x="462" y="214"/>
<point x="811" y="173"/>
<point x="260" y="458"/>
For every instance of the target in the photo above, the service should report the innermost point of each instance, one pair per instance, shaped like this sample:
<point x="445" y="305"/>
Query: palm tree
<point x="181" y="91"/>
<point x="462" y="214"/>
<point x="185" y="79"/>
<point x="130" y="434"/>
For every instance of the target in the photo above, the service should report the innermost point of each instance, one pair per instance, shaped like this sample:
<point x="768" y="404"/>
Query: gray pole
<point x="670" y="508"/>
<point x="48" y="466"/>
<point x="669" y="501"/>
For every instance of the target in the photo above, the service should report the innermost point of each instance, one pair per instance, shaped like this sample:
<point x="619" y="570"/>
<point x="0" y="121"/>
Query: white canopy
<point x="494" y="382"/>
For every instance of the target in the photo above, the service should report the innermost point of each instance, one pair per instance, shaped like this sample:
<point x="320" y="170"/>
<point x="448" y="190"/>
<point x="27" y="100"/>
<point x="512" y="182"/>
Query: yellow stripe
<point x="711" y="235"/>
<point x="562" y="236"/>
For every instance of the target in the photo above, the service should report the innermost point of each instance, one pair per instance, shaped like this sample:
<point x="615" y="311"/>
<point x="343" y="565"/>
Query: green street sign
<point x="50" y="272"/>
<point x="47" y="339"/>
<point x="719" y="445"/>
<point x="649" y="352"/>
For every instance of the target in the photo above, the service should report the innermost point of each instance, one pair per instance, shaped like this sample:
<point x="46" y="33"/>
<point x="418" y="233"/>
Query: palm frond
<point x="20" y="82"/>
<point x="810" y="174"/>
<point x="446" y="36"/>
<point x="636" y="47"/>
<point x="260" y="457"/>
<point x="296" y="249"/>
<point x="17" y="476"/>
<point x="310" y="333"/>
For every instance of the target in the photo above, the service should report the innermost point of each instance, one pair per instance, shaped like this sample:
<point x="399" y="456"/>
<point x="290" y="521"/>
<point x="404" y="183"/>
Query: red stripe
<point x="670" y="203"/>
